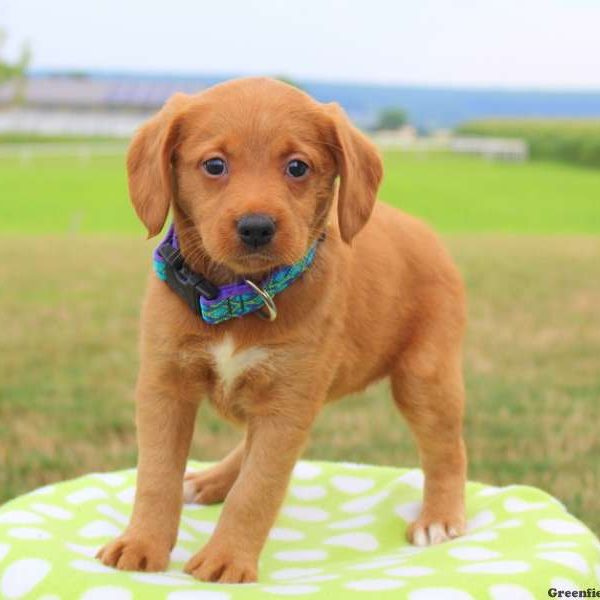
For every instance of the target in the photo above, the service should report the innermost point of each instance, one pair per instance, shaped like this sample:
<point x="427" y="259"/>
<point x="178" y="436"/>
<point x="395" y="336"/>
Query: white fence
<point x="26" y="153"/>
<point x="63" y="122"/>
<point x="493" y="148"/>
<point x="122" y="124"/>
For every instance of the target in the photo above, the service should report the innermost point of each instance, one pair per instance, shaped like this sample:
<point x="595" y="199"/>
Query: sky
<point x="545" y="44"/>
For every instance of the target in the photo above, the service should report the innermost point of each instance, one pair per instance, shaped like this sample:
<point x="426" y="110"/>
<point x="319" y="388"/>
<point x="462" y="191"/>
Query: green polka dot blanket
<point x="340" y="534"/>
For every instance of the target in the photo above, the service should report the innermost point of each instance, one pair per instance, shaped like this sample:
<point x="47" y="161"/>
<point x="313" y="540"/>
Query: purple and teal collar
<point x="218" y="304"/>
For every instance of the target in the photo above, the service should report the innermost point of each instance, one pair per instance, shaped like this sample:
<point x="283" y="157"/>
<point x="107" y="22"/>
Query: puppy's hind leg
<point x="431" y="399"/>
<point x="212" y="485"/>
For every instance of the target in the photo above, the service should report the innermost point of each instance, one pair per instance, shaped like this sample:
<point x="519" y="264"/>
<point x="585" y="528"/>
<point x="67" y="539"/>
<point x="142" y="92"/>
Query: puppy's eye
<point x="215" y="167"/>
<point x="296" y="169"/>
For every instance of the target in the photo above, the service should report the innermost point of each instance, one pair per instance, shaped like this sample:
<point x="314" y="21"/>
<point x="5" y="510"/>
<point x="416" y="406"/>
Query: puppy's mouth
<point x="254" y="261"/>
<point x="260" y="261"/>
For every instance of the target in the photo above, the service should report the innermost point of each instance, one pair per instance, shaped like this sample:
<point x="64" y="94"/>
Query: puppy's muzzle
<point x="256" y="230"/>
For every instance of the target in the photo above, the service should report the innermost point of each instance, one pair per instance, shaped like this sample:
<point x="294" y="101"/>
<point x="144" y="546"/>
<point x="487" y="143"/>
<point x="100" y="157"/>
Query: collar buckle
<point x="190" y="286"/>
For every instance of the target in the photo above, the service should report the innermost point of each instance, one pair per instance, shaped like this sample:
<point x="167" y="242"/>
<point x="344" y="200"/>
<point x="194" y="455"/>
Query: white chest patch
<point x="230" y="364"/>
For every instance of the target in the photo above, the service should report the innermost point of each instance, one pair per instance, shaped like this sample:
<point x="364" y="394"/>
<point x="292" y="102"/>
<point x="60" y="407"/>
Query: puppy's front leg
<point x="165" y="413"/>
<point x="273" y="444"/>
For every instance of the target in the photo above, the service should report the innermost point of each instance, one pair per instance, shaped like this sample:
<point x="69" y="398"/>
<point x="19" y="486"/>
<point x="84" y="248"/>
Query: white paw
<point x="432" y="533"/>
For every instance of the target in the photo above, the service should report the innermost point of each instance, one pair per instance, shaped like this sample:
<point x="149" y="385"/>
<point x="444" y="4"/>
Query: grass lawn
<point x="69" y="306"/>
<point x="456" y="194"/>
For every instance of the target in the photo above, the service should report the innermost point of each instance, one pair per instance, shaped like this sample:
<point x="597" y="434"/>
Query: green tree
<point x="16" y="70"/>
<point x="391" y="118"/>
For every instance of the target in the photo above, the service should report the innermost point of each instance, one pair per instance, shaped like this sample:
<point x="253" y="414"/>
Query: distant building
<point x="78" y="105"/>
<point x="81" y="92"/>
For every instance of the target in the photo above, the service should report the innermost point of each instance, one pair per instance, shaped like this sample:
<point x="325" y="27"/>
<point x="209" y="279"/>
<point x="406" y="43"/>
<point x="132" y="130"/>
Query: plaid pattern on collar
<point x="239" y="299"/>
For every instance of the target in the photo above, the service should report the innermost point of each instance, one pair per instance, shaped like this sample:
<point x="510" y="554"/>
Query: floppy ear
<point x="149" y="165"/>
<point x="360" y="170"/>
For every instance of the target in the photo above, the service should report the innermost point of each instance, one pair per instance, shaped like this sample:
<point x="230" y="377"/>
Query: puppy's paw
<point x="208" y="487"/>
<point x="429" y="531"/>
<point x="130" y="553"/>
<point x="222" y="564"/>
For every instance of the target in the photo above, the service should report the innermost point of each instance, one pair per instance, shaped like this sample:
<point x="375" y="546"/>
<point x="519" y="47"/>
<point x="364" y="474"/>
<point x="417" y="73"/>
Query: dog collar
<point x="218" y="304"/>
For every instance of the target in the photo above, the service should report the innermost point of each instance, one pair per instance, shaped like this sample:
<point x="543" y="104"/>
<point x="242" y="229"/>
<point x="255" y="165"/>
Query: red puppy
<point x="248" y="169"/>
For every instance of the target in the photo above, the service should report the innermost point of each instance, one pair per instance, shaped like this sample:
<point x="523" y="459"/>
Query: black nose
<point x="256" y="230"/>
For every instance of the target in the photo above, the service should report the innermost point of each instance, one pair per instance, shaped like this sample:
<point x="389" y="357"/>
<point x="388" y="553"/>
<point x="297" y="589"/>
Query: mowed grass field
<point x="526" y="237"/>
<point x="455" y="194"/>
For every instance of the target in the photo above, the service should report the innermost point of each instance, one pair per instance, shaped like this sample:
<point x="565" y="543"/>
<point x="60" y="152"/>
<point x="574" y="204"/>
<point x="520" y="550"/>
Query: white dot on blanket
<point x="414" y="478"/>
<point x="179" y="554"/>
<point x="378" y="563"/>
<point x="558" y="545"/>
<point x="55" y="512"/>
<point x="200" y="526"/>
<point x="89" y="551"/>
<point x="364" y="503"/>
<point x="290" y="590"/>
<point x="294" y="573"/>
<point x="107" y="591"/>
<point x="198" y="595"/>
<point x="85" y="495"/>
<point x="481" y="519"/>
<point x="127" y="495"/>
<point x="20" y="517"/>
<point x="98" y="529"/>
<point x="567" y="559"/>
<point x="184" y="536"/>
<point x="410" y="571"/>
<point x="112" y="513"/>
<point x="472" y="553"/>
<point x="44" y="491"/>
<point x="305" y="470"/>
<point x="308" y="492"/>
<point x="480" y="536"/>
<point x="170" y="579"/>
<point x="516" y="505"/>
<point x="317" y="578"/>
<point x="439" y="593"/>
<point x="90" y="566"/>
<point x="509" y="591"/>
<point x="284" y="534"/>
<point x="510" y="524"/>
<point x="409" y="511"/>
<point x="505" y="567"/>
<point x="374" y="585"/>
<point x="356" y="540"/>
<point x="301" y="555"/>
<point x="28" y="533"/>
<point x="21" y="576"/>
<point x="491" y="491"/>
<point x="352" y="523"/>
<point x="110" y="479"/>
<point x="561" y="527"/>
<point x="352" y="485"/>
<point x="306" y="513"/>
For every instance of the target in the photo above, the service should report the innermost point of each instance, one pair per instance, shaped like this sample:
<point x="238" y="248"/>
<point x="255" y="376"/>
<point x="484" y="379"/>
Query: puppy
<point x="249" y="171"/>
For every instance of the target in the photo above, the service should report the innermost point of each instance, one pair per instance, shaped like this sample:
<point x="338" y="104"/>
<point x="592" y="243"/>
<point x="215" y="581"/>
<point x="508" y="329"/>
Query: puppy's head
<point x="251" y="164"/>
